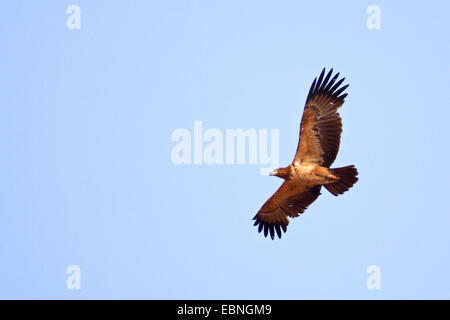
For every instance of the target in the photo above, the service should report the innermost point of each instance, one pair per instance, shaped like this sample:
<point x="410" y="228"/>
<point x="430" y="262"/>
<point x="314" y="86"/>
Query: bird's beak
<point x="274" y="172"/>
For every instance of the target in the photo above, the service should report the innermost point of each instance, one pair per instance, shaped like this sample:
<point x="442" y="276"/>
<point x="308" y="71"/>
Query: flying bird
<point x="320" y="135"/>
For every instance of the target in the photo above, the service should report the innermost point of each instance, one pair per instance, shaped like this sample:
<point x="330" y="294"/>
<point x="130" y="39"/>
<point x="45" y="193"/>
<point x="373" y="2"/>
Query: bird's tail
<point x="347" y="177"/>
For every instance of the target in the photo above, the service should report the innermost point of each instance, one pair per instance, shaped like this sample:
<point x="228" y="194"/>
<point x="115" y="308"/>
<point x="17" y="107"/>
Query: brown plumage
<point x="320" y="135"/>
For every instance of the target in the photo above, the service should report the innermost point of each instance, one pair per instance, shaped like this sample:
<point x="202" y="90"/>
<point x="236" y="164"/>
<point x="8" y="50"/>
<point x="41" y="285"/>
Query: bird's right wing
<point x="289" y="200"/>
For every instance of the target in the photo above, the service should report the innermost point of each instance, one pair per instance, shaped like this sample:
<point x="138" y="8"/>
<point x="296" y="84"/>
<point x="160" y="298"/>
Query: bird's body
<point x="309" y="174"/>
<point x="320" y="132"/>
<point x="312" y="174"/>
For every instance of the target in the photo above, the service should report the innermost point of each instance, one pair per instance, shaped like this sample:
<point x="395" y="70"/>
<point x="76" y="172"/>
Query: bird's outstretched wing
<point x="289" y="200"/>
<point x="321" y="125"/>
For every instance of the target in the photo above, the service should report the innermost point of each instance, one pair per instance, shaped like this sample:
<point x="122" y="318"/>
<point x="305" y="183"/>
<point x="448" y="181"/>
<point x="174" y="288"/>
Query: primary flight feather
<point x="320" y="136"/>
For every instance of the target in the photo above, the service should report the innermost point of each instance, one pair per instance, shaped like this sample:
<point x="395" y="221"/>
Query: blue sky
<point x="86" y="118"/>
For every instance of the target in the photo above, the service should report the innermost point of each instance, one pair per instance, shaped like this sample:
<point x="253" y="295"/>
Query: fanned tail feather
<point x="347" y="177"/>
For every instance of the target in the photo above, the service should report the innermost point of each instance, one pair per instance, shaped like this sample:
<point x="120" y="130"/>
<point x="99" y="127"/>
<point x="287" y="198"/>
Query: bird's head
<point x="282" y="173"/>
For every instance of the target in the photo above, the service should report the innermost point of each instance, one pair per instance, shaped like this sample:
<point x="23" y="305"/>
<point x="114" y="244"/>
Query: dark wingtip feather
<point x="332" y="81"/>
<point x="319" y="82"/>
<point x="327" y="86"/>
<point x="272" y="233"/>
<point x="325" y="81"/>
<point x="331" y="91"/>
<point x="343" y="96"/>
<point x="311" y="90"/>
<point x="278" y="230"/>
<point x="260" y="227"/>
<point x="337" y="93"/>
<point x="273" y="230"/>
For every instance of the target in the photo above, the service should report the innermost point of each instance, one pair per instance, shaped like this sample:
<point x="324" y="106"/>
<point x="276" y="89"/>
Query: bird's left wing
<point x="289" y="200"/>
<point x="321" y="125"/>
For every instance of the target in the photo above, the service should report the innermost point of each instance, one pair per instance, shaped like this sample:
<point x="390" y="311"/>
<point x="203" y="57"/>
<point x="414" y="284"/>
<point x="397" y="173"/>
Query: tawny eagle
<point x="320" y="135"/>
